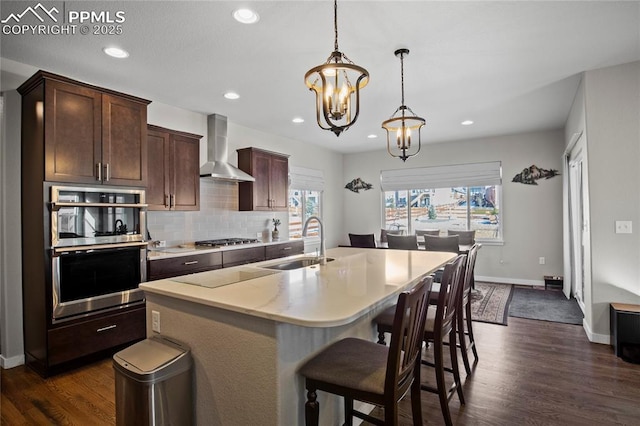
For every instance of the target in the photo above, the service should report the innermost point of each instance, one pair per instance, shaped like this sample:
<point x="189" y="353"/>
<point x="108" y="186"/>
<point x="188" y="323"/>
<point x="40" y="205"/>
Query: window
<point x="409" y="206"/>
<point x="305" y="200"/>
<point x="302" y="205"/>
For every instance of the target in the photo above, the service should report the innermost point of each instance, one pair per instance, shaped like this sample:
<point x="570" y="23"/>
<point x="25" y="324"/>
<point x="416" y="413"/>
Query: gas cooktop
<point x="222" y="242"/>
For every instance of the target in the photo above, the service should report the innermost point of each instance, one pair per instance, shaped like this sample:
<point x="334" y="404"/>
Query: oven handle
<point x="60" y="250"/>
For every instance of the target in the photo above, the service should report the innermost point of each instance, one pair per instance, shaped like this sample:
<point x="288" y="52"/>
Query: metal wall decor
<point x="531" y="174"/>
<point x="337" y="85"/>
<point x="402" y="122"/>
<point x="357" y="184"/>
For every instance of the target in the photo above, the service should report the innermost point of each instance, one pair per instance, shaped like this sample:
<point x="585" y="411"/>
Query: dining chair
<point x="465" y="238"/>
<point x="464" y="312"/>
<point x="358" y="369"/>
<point x="440" y="324"/>
<point x="402" y="242"/>
<point x="449" y="244"/>
<point x="362" y="240"/>
<point x="423" y="232"/>
<point x="385" y="232"/>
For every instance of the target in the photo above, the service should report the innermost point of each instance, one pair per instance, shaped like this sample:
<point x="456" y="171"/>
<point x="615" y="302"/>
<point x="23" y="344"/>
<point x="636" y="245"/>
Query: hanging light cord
<point x="402" y="76"/>
<point x="335" y="24"/>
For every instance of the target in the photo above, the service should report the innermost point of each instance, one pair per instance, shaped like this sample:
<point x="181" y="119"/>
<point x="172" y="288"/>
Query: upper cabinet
<point x="174" y="175"/>
<point x="85" y="133"/>
<point x="270" y="191"/>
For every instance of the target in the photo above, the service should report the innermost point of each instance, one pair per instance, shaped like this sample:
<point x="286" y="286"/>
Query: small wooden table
<point x="625" y="328"/>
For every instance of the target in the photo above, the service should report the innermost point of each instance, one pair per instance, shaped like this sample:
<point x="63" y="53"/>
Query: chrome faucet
<point x="323" y="254"/>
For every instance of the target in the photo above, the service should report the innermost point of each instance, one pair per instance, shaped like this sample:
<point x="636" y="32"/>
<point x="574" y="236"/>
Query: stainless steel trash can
<point x="154" y="383"/>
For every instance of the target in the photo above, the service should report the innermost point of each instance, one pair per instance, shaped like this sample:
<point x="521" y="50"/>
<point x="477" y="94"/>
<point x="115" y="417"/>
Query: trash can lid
<point x="149" y="355"/>
<point x="153" y="359"/>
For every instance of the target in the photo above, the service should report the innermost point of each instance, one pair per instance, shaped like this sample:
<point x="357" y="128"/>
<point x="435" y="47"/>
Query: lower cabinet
<point x="289" y="248"/>
<point x="182" y="265"/>
<point x="242" y="256"/>
<point x="94" y="335"/>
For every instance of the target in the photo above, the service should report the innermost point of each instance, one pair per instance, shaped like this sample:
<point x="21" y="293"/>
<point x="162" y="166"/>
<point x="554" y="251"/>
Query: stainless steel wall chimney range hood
<point x="217" y="165"/>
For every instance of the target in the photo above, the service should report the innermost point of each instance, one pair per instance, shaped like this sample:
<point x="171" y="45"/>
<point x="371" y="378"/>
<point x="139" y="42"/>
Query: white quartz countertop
<point x="334" y="294"/>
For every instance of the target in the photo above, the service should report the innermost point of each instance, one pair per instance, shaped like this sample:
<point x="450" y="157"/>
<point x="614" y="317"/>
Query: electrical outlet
<point x="155" y="321"/>
<point x="623" y="227"/>
<point x="541" y="260"/>
<point x="162" y="243"/>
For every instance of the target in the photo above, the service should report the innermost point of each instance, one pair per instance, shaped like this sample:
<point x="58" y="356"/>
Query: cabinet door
<point x="157" y="195"/>
<point x="185" y="173"/>
<point x="72" y="133"/>
<point x="261" y="172"/>
<point x="124" y="141"/>
<point x="279" y="183"/>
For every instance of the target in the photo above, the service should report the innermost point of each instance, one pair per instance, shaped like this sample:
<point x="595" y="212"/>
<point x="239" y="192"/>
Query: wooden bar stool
<point x="365" y="371"/>
<point x="440" y="323"/>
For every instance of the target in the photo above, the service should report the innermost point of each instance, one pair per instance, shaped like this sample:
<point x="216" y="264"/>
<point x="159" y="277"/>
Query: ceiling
<point x="511" y="67"/>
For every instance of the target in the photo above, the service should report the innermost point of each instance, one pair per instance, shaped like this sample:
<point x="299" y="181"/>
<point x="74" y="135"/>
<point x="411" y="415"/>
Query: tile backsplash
<point x="218" y="218"/>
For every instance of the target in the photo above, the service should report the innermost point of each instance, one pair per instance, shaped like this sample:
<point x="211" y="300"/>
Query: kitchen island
<point x="250" y="327"/>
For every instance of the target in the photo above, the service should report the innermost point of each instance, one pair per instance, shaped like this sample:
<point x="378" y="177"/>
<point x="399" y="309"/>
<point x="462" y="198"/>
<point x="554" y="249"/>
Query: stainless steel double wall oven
<point x="98" y="248"/>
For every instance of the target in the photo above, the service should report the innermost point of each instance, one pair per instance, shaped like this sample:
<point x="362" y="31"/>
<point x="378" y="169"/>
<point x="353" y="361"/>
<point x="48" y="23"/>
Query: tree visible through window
<point x="302" y="205"/>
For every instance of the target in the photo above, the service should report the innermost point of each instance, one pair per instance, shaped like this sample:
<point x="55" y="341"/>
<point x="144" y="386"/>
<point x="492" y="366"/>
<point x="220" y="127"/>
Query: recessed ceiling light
<point x="298" y="120"/>
<point x="116" y="52"/>
<point x="231" y="95"/>
<point x="372" y="136"/>
<point x="467" y="122"/>
<point x="246" y="16"/>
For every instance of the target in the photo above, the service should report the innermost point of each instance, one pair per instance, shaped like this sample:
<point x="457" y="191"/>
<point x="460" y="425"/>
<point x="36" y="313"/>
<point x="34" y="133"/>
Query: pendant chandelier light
<point x="337" y="84"/>
<point x="402" y="122"/>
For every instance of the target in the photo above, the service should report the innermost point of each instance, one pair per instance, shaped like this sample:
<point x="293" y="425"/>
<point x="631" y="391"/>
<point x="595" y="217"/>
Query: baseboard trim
<point x="603" y="339"/>
<point x="518" y="281"/>
<point x="11" y="362"/>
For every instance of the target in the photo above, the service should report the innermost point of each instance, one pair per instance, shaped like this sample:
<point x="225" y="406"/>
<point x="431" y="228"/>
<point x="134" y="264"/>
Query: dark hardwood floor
<point x="530" y="373"/>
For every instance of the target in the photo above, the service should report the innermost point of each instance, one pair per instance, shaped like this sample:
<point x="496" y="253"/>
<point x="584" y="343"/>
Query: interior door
<point x="578" y="225"/>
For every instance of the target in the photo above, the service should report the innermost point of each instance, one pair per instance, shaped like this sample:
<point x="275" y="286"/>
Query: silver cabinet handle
<point x="172" y="200"/>
<point x="99" y="171"/>
<point x="287" y="248"/>
<point x="167" y="201"/>
<point x="109" y="327"/>
<point x="193" y="262"/>
<point x="107" y="172"/>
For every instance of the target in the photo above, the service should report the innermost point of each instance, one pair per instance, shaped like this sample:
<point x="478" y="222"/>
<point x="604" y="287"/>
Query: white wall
<point x="531" y="214"/>
<point x="612" y="111"/>
<point x="12" y="350"/>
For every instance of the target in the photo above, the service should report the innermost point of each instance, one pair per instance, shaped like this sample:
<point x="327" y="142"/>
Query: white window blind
<point x="474" y="174"/>
<point x="304" y="178"/>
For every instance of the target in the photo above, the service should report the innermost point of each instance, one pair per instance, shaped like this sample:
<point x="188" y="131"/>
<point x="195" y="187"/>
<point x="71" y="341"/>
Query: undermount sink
<point x="296" y="264"/>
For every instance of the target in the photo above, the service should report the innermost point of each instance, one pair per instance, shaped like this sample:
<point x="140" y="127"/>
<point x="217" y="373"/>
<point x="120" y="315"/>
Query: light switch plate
<point x="623" y="227"/>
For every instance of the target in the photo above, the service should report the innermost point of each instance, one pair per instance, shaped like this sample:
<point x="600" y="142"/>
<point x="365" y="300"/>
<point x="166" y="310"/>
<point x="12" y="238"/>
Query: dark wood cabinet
<point x="84" y="338"/>
<point x="89" y="134"/>
<point x="289" y="248"/>
<point x="182" y="265"/>
<point x="77" y="133"/>
<point x="270" y="191"/>
<point x="174" y="178"/>
<point x="242" y="256"/>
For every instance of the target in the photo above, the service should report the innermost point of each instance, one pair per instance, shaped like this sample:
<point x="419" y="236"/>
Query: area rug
<point x="545" y="305"/>
<point x="490" y="302"/>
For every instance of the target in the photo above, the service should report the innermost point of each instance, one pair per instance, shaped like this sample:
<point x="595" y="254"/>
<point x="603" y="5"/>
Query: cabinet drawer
<point x="174" y="266"/>
<point x="242" y="256"/>
<point x="88" y="337"/>
<point x="285" y="249"/>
